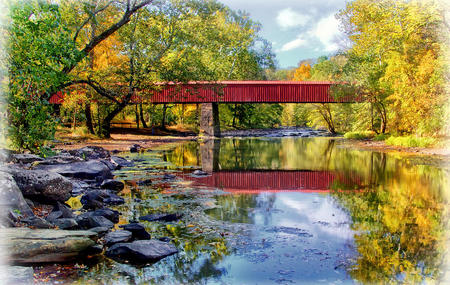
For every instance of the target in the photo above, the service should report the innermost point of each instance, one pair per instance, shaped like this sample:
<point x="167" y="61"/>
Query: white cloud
<point x="298" y="42"/>
<point x="327" y="31"/>
<point x="288" y="18"/>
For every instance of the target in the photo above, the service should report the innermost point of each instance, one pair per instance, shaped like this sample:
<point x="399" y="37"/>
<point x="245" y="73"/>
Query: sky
<point x="298" y="29"/>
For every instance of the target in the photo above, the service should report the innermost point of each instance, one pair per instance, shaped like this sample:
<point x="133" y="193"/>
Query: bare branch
<point x="100" y="90"/>
<point x="105" y="34"/>
<point x="89" y="18"/>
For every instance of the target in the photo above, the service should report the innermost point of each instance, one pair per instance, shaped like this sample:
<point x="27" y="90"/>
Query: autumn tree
<point x="177" y="42"/>
<point x="44" y="49"/>
<point x="302" y="73"/>
<point x="396" y="61"/>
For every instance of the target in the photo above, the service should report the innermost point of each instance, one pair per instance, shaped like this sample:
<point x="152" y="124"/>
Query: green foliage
<point x="250" y="115"/>
<point x="380" y="137"/>
<point x="39" y="46"/>
<point x="31" y="123"/>
<point x="411" y="141"/>
<point x="359" y="135"/>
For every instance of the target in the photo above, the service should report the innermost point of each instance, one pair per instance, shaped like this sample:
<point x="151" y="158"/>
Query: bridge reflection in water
<point x="252" y="179"/>
<point x="253" y="182"/>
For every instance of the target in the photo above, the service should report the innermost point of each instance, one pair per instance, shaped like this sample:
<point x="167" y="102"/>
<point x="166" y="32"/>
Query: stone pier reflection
<point x="210" y="150"/>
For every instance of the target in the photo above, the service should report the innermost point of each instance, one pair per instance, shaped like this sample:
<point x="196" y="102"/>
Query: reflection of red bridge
<point x="273" y="181"/>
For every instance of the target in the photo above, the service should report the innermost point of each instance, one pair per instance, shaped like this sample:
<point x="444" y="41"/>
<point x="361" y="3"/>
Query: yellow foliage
<point x="75" y="203"/>
<point x="302" y="73"/>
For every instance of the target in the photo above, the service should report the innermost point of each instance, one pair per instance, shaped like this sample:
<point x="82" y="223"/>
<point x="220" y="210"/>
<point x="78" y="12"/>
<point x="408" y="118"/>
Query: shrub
<point x="380" y="137"/>
<point x="411" y="141"/>
<point x="359" y="135"/>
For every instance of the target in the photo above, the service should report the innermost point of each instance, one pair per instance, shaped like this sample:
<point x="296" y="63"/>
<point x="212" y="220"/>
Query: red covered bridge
<point x="209" y="94"/>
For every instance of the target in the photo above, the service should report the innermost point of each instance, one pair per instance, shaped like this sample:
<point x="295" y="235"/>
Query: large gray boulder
<point x="25" y="158"/>
<point x="61" y="158"/>
<point x="90" y="152"/>
<point x="141" y="251"/>
<point x="119" y="236"/>
<point x="92" y="169"/>
<point x="24" y="245"/>
<point x="41" y="184"/>
<point x="11" y="197"/>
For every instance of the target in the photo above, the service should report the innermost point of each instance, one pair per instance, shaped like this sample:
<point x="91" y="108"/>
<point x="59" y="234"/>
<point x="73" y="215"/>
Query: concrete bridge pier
<point x="209" y="120"/>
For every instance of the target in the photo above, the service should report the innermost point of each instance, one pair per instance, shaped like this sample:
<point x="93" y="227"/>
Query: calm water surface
<point x="285" y="210"/>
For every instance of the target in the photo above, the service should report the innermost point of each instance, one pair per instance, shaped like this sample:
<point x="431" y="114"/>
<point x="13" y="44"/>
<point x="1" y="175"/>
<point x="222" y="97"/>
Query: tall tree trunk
<point x="141" y="114"/>
<point x="325" y="111"/>
<point x="197" y="114"/>
<point x="137" y="116"/>
<point x="74" y="123"/>
<point x="372" y="127"/>
<point x="382" y="111"/>
<point x="234" y="116"/>
<point x="163" y="122"/>
<point x="87" y="104"/>
<point x="87" y="112"/>
<point x="105" y="124"/>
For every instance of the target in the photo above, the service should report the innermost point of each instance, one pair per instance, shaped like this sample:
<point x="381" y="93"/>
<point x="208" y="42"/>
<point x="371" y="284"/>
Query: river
<point x="284" y="211"/>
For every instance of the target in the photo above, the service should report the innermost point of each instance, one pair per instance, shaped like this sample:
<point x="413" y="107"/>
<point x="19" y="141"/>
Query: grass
<point x="403" y="141"/>
<point x="359" y="135"/>
<point x="411" y="141"/>
<point x="69" y="133"/>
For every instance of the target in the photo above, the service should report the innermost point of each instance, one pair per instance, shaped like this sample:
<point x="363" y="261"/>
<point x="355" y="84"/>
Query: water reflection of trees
<point x="235" y="208"/>
<point x="400" y="227"/>
<point x="399" y="214"/>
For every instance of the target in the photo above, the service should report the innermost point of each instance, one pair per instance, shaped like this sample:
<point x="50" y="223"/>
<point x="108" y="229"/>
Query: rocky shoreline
<point x="37" y="226"/>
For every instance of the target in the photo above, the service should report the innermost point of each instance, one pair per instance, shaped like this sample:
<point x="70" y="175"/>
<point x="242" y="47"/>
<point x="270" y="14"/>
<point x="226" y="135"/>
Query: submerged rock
<point x="137" y="230"/>
<point x="169" y="176"/>
<point x="112" y="185"/>
<point x="145" y="182"/>
<point x="135" y="148"/>
<point x="117" y="237"/>
<point x="141" y="251"/>
<point x="87" y="221"/>
<point x="98" y="198"/>
<point x="23" y="245"/>
<point x="161" y="217"/>
<point x="110" y="214"/>
<point x="122" y="162"/>
<point x="200" y="173"/>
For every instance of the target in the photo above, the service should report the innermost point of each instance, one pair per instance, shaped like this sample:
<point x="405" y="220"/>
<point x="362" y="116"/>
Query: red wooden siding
<point x="235" y="92"/>
<point x="242" y="92"/>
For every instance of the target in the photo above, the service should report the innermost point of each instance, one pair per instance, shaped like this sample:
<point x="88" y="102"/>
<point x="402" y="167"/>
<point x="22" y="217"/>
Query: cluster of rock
<point x="28" y="181"/>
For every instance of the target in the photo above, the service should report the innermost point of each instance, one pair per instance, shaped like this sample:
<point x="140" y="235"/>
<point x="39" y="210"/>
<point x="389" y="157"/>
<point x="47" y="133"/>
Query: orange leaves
<point x="302" y="73"/>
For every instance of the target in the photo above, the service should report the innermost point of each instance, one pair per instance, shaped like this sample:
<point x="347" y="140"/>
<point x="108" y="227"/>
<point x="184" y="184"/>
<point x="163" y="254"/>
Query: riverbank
<point x="123" y="139"/>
